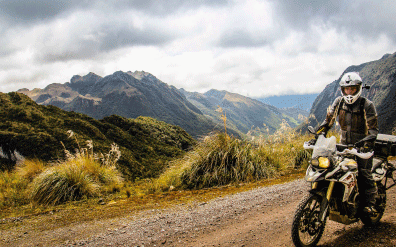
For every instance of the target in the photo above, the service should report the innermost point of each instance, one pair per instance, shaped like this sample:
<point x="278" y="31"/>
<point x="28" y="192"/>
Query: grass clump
<point x="81" y="175"/>
<point x="63" y="183"/>
<point x="74" y="179"/>
<point x="171" y="178"/>
<point x="220" y="159"/>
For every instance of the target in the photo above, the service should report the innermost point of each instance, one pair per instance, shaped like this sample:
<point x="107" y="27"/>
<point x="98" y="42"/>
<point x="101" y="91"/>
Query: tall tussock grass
<point x="63" y="183"/>
<point x="74" y="179"/>
<point x="82" y="175"/>
<point x="221" y="159"/>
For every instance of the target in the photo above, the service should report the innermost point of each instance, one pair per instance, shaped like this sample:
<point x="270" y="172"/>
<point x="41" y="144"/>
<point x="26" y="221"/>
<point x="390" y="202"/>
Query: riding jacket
<point x="356" y="120"/>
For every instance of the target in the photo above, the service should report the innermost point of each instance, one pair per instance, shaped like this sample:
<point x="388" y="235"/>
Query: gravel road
<point x="260" y="217"/>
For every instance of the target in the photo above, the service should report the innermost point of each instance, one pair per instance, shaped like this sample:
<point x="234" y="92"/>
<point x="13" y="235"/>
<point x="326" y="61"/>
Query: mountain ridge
<point x="243" y="113"/>
<point x="132" y="94"/>
<point x="122" y="94"/>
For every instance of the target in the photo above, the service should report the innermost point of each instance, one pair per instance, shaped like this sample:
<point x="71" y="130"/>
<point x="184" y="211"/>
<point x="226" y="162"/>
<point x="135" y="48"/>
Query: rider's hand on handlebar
<point x="367" y="147"/>
<point x="322" y="130"/>
<point x="312" y="142"/>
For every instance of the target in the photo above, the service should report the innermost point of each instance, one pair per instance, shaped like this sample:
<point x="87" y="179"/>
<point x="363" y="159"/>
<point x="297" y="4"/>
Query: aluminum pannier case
<point x="385" y="145"/>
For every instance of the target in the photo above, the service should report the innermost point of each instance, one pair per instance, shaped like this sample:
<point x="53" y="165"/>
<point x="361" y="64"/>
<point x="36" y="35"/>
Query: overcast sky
<point x="255" y="48"/>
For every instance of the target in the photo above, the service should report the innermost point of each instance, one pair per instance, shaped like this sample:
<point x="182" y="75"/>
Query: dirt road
<point x="261" y="217"/>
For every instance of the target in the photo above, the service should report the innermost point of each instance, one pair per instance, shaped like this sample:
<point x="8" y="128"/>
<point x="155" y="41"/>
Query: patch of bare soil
<point x="260" y="217"/>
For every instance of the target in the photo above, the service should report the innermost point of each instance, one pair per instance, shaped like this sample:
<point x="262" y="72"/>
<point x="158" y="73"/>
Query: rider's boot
<point x="371" y="200"/>
<point x="370" y="210"/>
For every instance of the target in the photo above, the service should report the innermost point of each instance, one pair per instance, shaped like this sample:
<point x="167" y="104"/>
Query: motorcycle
<point x="334" y="192"/>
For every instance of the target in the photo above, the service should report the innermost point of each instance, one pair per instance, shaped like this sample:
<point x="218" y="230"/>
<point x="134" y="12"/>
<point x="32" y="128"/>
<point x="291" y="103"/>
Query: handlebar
<point x="345" y="151"/>
<point x="355" y="152"/>
<point x="308" y="146"/>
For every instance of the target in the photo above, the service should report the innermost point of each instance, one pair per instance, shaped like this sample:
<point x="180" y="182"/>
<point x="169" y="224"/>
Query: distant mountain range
<point x="140" y="93"/>
<point x="243" y="113"/>
<point x="125" y="94"/>
<point x="381" y="76"/>
<point x="302" y="102"/>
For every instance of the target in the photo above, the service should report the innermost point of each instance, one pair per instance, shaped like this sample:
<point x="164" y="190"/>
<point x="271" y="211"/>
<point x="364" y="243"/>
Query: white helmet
<point x="351" y="80"/>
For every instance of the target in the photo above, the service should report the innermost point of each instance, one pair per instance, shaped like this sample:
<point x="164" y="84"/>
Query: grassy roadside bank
<point x="42" y="219"/>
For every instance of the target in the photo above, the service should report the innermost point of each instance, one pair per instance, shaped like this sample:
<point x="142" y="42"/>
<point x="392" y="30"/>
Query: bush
<point x="221" y="160"/>
<point x="74" y="179"/>
<point x="61" y="184"/>
<point x="81" y="175"/>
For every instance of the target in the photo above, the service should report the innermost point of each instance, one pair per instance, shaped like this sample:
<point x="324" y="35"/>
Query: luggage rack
<point x="385" y="145"/>
<point x="391" y="168"/>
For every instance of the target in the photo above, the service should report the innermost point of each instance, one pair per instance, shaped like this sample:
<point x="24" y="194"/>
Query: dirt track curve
<point x="260" y="217"/>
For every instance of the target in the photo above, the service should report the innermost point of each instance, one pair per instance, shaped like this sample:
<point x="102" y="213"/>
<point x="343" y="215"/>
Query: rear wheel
<point x="379" y="206"/>
<point x="307" y="228"/>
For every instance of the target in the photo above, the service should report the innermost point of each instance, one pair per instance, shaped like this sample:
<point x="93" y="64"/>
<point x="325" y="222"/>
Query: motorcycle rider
<point x="357" y="117"/>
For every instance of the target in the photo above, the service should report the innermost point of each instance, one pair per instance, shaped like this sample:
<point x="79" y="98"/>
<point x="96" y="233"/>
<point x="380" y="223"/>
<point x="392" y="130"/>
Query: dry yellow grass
<point x="30" y="168"/>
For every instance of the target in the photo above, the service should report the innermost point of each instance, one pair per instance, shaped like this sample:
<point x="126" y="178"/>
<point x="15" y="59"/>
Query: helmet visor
<point x="350" y="90"/>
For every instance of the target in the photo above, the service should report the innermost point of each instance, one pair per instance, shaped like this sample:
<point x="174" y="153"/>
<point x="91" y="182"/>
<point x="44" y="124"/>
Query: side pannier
<point x="385" y="145"/>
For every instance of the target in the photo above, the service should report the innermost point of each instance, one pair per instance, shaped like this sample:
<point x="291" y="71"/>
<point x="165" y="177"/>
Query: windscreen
<point x="324" y="146"/>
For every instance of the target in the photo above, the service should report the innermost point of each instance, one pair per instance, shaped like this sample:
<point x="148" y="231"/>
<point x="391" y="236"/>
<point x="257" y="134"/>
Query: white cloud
<point x="256" y="48"/>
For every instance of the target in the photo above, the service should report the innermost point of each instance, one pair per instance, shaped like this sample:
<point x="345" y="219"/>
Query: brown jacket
<point x="354" y="123"/>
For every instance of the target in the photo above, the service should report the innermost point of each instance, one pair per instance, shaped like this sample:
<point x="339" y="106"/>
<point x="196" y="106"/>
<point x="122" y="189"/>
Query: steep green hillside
<point x="37" y="131"/>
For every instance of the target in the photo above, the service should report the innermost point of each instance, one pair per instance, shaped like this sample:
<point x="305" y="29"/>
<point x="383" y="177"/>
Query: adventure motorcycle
<point x="334" y="191"/>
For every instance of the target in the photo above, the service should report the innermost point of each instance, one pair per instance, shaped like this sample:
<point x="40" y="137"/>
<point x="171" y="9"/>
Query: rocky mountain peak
<point x="216" y="93"/>
<point x="81" y="84"/>
<point x="87" y="78"/>
<point x="145" y="77"/>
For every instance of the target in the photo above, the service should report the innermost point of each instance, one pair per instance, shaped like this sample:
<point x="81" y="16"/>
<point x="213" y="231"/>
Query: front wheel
<point x="379" y="205"/>
<point x="307" y="228"/>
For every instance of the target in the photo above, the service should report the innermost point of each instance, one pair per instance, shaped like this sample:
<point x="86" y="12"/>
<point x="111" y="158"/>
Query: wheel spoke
<point x="308" y="229"/>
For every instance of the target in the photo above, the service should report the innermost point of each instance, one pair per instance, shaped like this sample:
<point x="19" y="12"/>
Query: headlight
<point x="315" y="162"/>
<point x="324" y="162"/>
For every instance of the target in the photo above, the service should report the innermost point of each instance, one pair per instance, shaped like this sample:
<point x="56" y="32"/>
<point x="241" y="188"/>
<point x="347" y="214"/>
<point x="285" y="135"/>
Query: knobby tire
<point x="306" y="215"/>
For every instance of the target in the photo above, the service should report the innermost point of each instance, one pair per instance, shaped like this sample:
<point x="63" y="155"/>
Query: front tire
<point x="306" y="227"/>
<point x="379" y="205"/>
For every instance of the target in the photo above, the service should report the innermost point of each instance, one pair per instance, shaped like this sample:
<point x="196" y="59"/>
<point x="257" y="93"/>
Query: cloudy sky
<point x="255" y="48"/>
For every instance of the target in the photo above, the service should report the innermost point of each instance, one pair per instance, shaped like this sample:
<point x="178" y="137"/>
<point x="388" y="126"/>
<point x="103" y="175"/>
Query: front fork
<point x="324" y="206"/>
